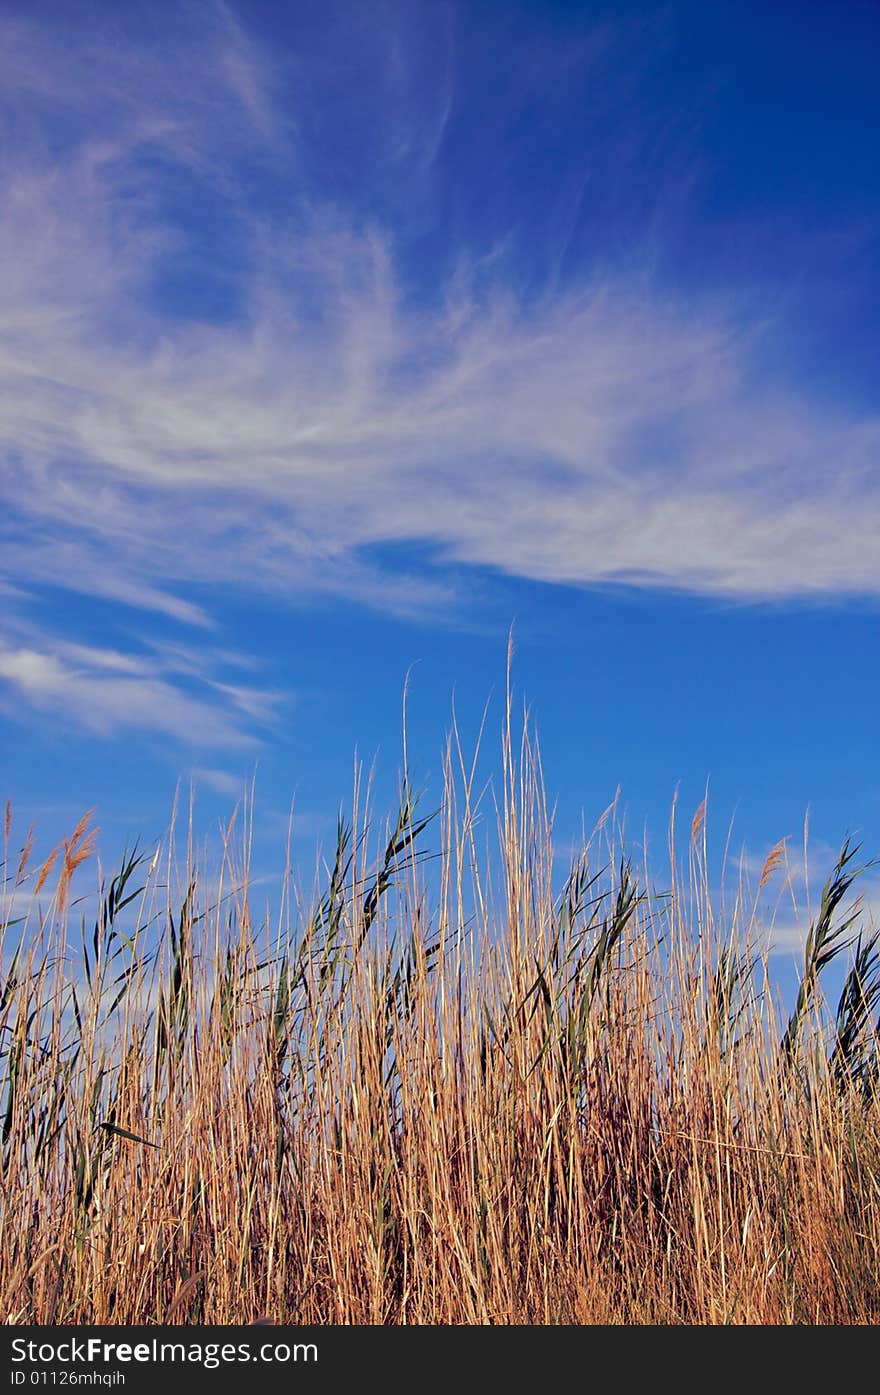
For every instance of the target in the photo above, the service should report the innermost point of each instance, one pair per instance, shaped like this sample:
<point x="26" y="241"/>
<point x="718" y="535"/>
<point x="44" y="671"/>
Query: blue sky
<point x="335" y="340"/>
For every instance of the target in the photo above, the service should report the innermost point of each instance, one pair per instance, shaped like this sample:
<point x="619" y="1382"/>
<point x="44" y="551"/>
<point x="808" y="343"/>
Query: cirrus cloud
<point x="295" y="417"/>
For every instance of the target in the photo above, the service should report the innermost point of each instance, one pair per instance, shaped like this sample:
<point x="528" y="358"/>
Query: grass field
<point x="441" y="1091"/>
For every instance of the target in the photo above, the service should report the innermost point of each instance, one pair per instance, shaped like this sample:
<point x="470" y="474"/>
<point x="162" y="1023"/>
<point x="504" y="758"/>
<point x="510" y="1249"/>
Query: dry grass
<point x="446" y="1093"/>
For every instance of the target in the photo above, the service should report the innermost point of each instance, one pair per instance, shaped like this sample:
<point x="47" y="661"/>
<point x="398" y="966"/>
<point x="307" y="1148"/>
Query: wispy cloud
<point x="793" y="893"/>
<point x="319" y="418"/>
<point x="105" y="692"/>
<point x="220" y="781"/>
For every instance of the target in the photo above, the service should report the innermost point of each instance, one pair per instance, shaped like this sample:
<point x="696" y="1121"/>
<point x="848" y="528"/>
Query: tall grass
<point x="445" y="1091"/>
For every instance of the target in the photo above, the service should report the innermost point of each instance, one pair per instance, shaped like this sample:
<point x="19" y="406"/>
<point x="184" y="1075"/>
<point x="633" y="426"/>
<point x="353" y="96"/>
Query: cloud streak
<point x="106" y="692"/>
<point x="323" y="419"/>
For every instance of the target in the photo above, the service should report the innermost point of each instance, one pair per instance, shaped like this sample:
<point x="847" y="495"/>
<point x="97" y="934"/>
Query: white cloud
<point x="19" y="907"/>
<point x="220" y="781"/>
<point x="105" y="692"/>
<point x="792" y="895"/>
<point x="605" y="433"/>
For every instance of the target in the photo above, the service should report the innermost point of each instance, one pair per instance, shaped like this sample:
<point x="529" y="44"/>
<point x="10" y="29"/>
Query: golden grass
<point x="447" y="1092"/>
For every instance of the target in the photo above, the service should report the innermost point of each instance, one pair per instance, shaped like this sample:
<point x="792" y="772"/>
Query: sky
<point x="340" y="341"/>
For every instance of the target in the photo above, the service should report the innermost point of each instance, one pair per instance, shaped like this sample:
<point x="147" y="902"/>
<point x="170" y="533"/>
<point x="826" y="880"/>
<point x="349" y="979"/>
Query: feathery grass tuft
<point x="445" y="1089"/>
